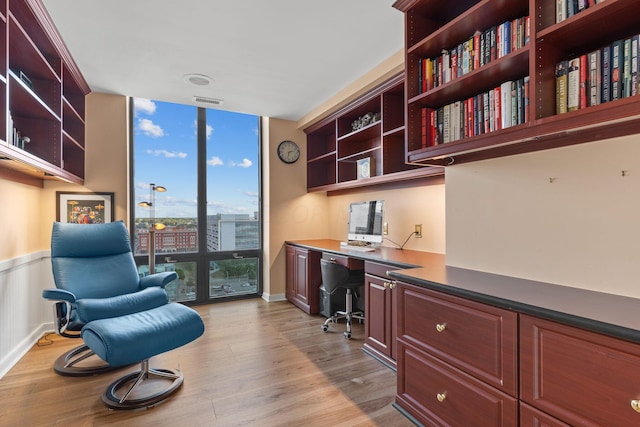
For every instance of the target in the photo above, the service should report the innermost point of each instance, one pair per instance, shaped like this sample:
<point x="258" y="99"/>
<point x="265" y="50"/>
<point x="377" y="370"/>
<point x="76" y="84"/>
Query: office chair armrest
<point x="58" y="295"/>
<point x="158" y="279"/>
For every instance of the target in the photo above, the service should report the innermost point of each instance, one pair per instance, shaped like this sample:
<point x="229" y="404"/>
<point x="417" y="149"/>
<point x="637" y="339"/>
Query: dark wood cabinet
<point x="531" y="417"/>
<point x="303" y="278"/>
<point x="43" y="97"/>
<point x="577" y="376"/>
<point x="431" y="28"/>
<point x="380" y="323"/>
<point x="457" y="359"/>
<point x="370" y="128"/>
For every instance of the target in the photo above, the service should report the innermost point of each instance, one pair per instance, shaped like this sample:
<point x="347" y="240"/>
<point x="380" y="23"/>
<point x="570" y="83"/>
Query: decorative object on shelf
<point x="364" y="121"/>
<point x="153" y="225"/>
<point x="364" y="168"/>
<point x="26" y="80"/>
<point x="84" y="207"/>
<point x="288" y="151"/>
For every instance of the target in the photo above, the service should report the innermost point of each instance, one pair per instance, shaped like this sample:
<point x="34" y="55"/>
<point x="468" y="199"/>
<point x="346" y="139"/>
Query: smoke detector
<point x="209" y="101"/>
<point x="198" y="79"/>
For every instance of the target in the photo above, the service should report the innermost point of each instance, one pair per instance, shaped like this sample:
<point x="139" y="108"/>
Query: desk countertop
<point x="610" y="314"/>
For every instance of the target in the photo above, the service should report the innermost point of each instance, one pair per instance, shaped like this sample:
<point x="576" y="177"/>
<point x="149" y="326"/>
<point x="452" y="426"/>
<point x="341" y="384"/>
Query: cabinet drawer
<point x="476" y="338"/>
<point x="580" y="377"/>
<point x="440" y="395"/>
<point x="531" y="417"/>
<point x="377" y="269"/>
<point x="352" y="263"/>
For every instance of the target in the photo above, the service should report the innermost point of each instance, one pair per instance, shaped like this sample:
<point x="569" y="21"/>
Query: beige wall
<point x="21" y="225"/>
<point x="566" y="216"/>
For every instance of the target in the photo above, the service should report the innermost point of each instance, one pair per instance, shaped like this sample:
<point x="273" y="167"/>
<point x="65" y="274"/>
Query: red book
<point x="583" y="81"/>
<point x="476" y="50"/>
<point x="470" y="117"/>
<point x="497" y="94"/>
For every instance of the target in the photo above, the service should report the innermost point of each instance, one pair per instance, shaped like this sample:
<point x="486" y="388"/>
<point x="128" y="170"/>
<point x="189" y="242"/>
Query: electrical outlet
<point x="418" y="231"/>
<point x="385" y="228"/>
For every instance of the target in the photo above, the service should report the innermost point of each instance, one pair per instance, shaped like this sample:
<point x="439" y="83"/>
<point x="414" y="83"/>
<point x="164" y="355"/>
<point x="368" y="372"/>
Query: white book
<point x="505" y="104"/>
<point x="573" y="85"/>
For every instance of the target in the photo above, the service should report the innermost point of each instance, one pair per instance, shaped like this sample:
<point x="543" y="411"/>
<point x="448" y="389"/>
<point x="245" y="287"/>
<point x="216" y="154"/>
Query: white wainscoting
<point x="24" y="314"/>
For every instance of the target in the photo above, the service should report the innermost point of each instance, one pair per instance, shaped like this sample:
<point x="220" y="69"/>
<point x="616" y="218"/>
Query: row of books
<point x="502" y="107"/>
<point x="480" y="49"/>
<point x="16" y="138"/>
<point x="567" y="8"/>
<point x="600" y="76"/>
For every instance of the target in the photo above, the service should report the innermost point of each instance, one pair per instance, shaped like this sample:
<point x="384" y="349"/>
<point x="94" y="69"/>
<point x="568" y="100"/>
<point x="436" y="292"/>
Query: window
<point x="196" y="192"/>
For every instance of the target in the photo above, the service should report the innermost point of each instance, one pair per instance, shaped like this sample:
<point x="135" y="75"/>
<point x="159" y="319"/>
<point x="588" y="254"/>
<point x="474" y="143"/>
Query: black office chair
<point x="335" y="276"/>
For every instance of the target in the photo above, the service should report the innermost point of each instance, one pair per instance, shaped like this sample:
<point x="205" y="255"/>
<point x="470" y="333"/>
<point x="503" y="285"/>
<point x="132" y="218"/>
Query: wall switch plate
<point x="418" y="231"/>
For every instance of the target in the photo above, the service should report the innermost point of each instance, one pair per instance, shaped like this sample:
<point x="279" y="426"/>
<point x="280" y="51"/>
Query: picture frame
<point x="84" y="207"/>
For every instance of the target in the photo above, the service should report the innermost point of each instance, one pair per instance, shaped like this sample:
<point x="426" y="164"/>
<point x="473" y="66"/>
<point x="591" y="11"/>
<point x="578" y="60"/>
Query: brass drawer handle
<point x="388" y="285"/>
<point x="635" y="404"/>
<point x="440" y="327"/>
<point x="441" y="397"/>
<point x="392" y="285"/>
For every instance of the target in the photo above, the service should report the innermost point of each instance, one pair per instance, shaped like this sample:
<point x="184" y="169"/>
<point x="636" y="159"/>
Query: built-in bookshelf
<point x="435" y="32"/>
<point x="362" y="144"/>
<point x="44" y="97"/>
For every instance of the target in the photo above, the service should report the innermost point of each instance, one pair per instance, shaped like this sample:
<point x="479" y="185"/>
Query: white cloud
<point x="144" y="106"/>
<point x="246" y="163"/>
<point x="251" y="193"/>
<point x="167" y="154"/>
<point x="149" y="128"/>
<point x="215" y="161"/>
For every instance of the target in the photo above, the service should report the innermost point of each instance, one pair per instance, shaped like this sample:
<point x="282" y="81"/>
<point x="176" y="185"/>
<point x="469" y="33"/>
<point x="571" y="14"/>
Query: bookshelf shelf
<point x="334" y="147"/>
<point x="429" y="30"/>
<point x="44" y="98"/>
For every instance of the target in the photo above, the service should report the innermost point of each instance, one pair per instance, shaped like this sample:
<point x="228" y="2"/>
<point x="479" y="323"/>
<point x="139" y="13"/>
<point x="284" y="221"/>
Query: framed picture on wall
<point x="84" y="207"/>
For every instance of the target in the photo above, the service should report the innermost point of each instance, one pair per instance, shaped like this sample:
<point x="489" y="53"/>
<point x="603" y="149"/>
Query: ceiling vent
<point x="198" y="79"/>
<point x="210" y="101"/>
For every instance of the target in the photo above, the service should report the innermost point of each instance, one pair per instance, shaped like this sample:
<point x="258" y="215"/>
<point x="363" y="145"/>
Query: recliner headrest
<point x="89" y="240"/>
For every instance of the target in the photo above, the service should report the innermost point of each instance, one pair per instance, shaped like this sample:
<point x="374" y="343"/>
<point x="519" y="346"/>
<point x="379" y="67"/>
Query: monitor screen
<point x="365" y="221"/>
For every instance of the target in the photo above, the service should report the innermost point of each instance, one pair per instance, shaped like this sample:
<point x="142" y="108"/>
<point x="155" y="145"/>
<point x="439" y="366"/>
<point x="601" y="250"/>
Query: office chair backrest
<point x="333" y="275"/>
<point x="93" y="260"/>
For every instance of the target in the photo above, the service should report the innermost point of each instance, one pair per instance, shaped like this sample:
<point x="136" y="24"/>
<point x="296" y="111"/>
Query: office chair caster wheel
<point x="347" y="335"/>
<point x="324" y="328"/>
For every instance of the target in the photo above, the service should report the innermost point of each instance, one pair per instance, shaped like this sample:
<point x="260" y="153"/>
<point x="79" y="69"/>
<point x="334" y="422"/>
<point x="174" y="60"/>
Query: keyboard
<point x="358" y="248"/>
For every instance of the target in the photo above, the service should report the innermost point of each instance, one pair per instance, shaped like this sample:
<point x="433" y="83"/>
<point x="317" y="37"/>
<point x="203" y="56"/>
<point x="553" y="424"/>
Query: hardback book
<point x="582" y="5"/>
<point x="561" y="87"/>
<point x="527" y="84"/>
<point x="446" y="125"/>
<point x="364" y="167"/>
<point x="595" y="78"/>
<point x="606" y="74"/>
<point x="561" y="10"/>
<point x="584" y="81"/>
<point x="497" y="110"/>
<point x="454" y="120"/>
<point x="505" y="114"/>
<point x="573" y="84"/>
<point x="626" y="68"/>
<point x="616" y="69"/>
<point x="634" y="65"/>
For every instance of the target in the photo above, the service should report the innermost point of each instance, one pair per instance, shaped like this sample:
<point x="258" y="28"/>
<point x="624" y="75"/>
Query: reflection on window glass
<point x="182" y="289"/>
<point x="233" y="277"/>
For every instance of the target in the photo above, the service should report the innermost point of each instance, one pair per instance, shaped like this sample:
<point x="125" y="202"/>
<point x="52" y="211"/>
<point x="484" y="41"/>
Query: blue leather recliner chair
<point x="122" y="318"/>
<point x="96" y="278"/>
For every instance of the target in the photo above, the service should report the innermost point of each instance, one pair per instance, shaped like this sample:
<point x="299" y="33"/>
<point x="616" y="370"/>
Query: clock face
<point x="288" y="151"/>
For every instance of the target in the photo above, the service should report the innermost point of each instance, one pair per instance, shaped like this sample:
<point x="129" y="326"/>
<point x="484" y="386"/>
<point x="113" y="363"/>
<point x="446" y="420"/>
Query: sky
<point x="165" y="152"/>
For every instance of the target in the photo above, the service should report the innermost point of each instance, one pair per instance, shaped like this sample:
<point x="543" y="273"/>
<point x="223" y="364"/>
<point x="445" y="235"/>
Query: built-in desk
<point x="476" y="348"/>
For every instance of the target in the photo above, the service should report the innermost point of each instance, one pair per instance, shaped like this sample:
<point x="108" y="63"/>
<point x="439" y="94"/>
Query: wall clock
<point x="288" y="151"/>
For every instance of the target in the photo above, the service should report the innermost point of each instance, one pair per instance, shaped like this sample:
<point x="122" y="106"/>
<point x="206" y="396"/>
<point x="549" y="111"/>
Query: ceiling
<point x="277" y="58"/>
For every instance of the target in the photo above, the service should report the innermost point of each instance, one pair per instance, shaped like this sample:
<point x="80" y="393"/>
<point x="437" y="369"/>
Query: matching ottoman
<point x="137" y="337"/>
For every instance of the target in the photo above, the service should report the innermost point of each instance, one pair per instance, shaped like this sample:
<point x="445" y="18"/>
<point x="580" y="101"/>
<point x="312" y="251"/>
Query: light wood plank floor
<point x="258" y="364"/>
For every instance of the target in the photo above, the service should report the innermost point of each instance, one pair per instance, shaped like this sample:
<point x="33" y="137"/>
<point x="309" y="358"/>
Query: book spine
<point x="573" y="84"/>
<point x="561" y="87"/>
<point x="626" y="68"/>
<point x="634" y="65"/>
<point x="561" y="10"/>
<point x="616" y="70"/>
<point x="606" y="74"/>
<point x="595" y="77"/>
<point x="505" y="93"/>
<point x="527" y="85"/>
<point x="584" y="83"/>
<point x="497" y="93"/>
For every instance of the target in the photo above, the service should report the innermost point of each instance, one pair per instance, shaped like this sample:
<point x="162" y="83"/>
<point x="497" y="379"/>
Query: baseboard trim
<point x="273" y="298"/>
<point x="23" y="348"/>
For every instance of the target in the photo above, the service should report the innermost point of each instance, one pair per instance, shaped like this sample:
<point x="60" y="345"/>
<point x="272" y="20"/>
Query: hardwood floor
<point x="258" y="364"/>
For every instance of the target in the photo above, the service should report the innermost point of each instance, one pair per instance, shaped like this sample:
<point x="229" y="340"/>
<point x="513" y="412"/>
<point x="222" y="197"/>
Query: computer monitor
<point x="365" y="221"/>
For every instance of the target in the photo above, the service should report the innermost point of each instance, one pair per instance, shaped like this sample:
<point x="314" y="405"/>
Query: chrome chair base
<point x="68" y="364"/>
<point x="114" y="397"/>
